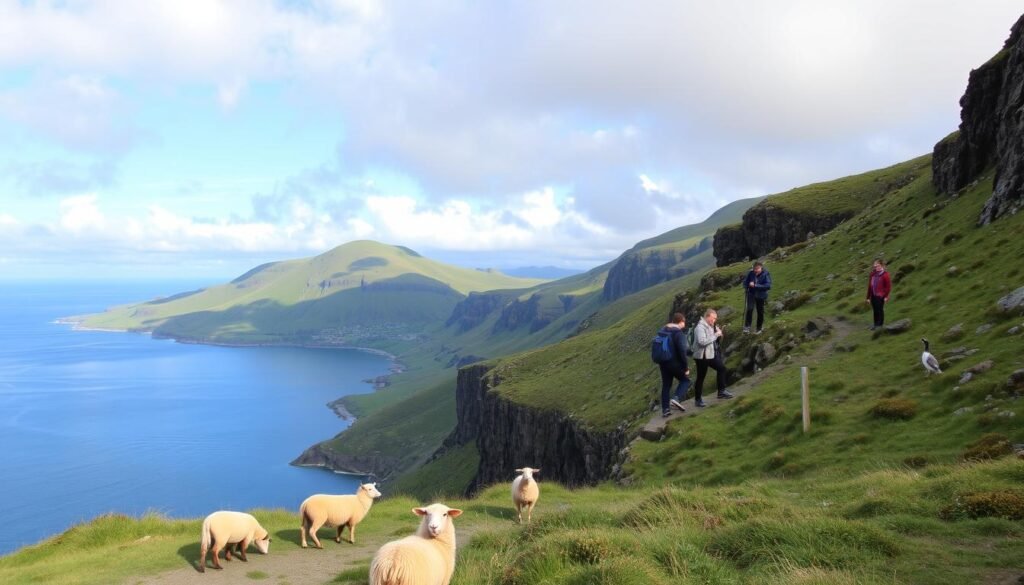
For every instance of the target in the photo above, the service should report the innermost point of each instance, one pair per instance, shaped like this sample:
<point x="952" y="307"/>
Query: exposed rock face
<point x="520" y="313"/>
<point x="475" y="308"/>
<point x="639" y="269"/>
<point x="510" y="435"/>
<point x="991" y="132"/>
<point x="730" y="245"/>
<point x="370" y="465"/>
<point x="1012" y="302"/>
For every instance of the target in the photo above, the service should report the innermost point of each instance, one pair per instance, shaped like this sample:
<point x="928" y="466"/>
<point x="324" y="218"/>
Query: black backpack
<point x="661" y="347"/>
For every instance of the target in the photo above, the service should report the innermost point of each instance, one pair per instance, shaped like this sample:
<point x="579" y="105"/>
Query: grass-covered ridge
<point x="361" y="283"/>
<point x="891" y="525"/>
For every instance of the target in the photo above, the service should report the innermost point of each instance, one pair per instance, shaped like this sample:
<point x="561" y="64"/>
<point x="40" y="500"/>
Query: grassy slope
<point x="311" y="290"/>
<point x="890" y="525"/>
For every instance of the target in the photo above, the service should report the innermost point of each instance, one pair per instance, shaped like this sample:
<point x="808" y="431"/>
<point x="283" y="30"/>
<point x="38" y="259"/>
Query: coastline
<point x="314" y="455"/>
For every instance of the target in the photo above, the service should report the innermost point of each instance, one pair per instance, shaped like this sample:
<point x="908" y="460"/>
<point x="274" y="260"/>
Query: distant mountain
<point x="328" y="299"/>
<point x="546" y="272"/>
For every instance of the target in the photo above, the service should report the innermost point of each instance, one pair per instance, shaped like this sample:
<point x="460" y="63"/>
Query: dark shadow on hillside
<point x="353" y="310"/>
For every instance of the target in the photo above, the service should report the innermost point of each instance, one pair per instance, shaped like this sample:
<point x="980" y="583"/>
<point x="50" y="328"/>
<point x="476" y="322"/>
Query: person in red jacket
<point x="879" y="287"/>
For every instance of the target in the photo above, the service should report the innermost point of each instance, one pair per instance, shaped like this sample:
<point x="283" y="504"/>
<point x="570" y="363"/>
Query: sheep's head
<point x="436" y="518"/>
<point x="370" y="489"/>
<point x="527" y="472"/>
<point x="263" y="544"/>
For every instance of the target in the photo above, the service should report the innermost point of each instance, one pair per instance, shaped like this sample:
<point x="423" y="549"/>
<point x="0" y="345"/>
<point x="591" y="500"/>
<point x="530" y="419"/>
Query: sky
<point x="174" y="138"/>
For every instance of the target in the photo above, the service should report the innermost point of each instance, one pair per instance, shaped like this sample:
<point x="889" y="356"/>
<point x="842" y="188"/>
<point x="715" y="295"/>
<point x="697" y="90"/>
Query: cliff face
<point x="370" y="465"/>
<point x="639" y="269"/>
<point x="475" y="308"/>
<point x="766" y="227"/>
<point x="991" y="132"/>
<point x="509" y="436"/>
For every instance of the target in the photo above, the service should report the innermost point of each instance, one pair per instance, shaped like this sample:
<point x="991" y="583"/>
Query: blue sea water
<point x="94" y="422"/>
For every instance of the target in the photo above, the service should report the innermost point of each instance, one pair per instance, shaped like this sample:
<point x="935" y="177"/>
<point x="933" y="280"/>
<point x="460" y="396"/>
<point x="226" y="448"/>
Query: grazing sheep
<point x="425" y="558"/>
<point x="227" y="528"/>
<point x="340" y="511"/>
<point x="525" y="493"/>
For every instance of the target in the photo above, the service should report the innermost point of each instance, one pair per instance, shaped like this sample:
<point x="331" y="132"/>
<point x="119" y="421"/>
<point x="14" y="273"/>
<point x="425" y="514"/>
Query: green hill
<point x="357" y="290"/>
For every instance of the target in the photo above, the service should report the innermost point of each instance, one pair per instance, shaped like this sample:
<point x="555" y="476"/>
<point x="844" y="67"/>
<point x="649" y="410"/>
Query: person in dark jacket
<point x="675" y="368"/>
<point x="757" y="284"/>
<point x="879" y="287"/>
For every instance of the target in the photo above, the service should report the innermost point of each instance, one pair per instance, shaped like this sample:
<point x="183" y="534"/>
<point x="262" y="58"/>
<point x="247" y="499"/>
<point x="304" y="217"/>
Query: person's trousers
<point x="672" y="370"/>
<point x="755" y="303"/>
<point x="715" y="364"/>
<point x="878" y="307"/>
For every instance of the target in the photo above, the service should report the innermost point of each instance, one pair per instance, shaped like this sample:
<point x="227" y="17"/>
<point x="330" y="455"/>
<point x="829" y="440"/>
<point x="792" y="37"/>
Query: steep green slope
<point x="947" y="272"/>
<point x="331" y="298"/>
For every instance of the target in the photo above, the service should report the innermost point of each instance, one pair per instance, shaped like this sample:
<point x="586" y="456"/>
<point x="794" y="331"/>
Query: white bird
<point x="928" y="360"/>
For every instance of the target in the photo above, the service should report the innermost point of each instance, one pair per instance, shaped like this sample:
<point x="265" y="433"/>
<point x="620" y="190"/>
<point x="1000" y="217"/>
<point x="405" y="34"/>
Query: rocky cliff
<point x="766" y="227"/>
<point x="636" y="270"/>
<point x="369" y="465"/>
<point x="991" y="132"/>
<point x="475" y="308"/>
<point x="510" y="435"/>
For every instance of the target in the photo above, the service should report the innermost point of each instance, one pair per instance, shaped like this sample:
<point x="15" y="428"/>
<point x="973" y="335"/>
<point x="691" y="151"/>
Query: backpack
<point x="691" y="340"/>
<point x="661" y="347"/>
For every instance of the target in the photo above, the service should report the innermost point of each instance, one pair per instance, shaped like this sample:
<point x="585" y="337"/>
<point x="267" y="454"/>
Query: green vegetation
<point x="948" y="524"/>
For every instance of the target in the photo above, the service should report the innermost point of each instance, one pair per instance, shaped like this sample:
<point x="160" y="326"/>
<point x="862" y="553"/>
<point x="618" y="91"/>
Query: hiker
<point x="757" y="284"/>
<point x="879" y="287"/>
<point x="708" y="354"/>
<point x="673" y="365"/>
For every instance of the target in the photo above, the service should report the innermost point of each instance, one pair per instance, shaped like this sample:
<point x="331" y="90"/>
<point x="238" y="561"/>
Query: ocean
<point x="93" y="422"/>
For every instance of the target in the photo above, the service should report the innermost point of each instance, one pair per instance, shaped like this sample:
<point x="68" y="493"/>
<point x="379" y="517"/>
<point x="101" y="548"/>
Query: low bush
<point x="894" y="409"/>
<point x="989" y="446"/>
<point x="1006" y="504"/>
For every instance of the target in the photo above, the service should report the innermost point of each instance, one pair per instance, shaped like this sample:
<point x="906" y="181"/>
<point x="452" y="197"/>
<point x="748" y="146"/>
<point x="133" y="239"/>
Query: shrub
<point x="989" y="446"/>
<point x="1007" y="504"/>
<point x="894" y="409"/>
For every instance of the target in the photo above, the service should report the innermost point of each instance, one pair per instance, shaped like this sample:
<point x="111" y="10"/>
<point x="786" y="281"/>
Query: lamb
<point x="227" y="528"/>
<point x="425" y="558"/>
<point x="525" y="493"/>
<point x="340" y="511"/>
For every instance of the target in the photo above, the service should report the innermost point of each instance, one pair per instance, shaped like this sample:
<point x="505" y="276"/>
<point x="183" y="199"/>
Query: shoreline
<point x="377" y="383"/>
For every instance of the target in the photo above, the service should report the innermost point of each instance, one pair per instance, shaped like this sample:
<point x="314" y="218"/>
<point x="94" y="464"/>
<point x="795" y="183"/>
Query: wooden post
<point x="806" y="394"/>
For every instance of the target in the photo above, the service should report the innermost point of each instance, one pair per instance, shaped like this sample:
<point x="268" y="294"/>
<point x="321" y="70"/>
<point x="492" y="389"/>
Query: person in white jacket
<point x="707" y="337"/>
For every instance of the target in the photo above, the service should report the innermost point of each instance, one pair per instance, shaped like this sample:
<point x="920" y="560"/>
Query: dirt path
<point x="841" y="329"/>
<point x="287" y="563"/>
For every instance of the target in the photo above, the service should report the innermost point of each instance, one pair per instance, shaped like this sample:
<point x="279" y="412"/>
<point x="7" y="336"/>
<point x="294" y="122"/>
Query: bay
<point x="93" y="422"/>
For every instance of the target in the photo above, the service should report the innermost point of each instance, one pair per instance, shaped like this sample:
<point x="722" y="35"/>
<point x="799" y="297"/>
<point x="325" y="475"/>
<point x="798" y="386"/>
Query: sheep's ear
<point x="419" y="511"/>
<point x="520" y="470"/>
<point x="454" y="513"/>
<point x="536" y="471"/>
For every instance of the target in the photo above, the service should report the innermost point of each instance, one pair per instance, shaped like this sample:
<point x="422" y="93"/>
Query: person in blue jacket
<point x="676" y="367"/>
<point x="756" y="284"/>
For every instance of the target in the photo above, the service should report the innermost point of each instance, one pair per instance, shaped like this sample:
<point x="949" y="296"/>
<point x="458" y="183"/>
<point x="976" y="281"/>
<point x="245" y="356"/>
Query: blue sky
<point x="199" y="138"/>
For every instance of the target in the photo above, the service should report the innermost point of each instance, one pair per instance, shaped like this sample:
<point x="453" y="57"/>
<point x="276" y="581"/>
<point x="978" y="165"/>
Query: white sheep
<point x="340" y="511"/>
<point x="425" y="558"/>
<point x="227" y="528"/>
<point x="525" y="493"/>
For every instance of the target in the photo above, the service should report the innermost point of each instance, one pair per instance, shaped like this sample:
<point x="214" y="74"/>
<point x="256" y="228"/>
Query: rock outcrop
<point x="369" y="465"/>
<point x="474" y="309"/>
<point x="636" y="270"/>
<point x="510" y="435"/>
<point x="991" y="132"/>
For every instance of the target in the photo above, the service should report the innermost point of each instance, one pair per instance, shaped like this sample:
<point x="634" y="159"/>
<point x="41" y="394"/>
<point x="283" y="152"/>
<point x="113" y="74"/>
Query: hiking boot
<point x="677" y="404"/>
<point x="666" y="413"/>
<point x="760" y="331"/>
<point x="699" y="404"/>
<point x="725" y="395"/>
<point x="746" y="329"/>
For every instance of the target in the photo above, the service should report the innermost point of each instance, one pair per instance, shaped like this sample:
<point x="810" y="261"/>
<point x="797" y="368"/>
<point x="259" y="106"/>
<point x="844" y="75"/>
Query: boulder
<point x="765" y="354"/>
<point x="982" y="329"/>
<point x="965" y="378"/>
<point x="953" y="333"/>
<point x="1011" y="302"/>
<point x="981" y="367"/>
<point x="900" y="326"/>
<point x="1016" y="380"/>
